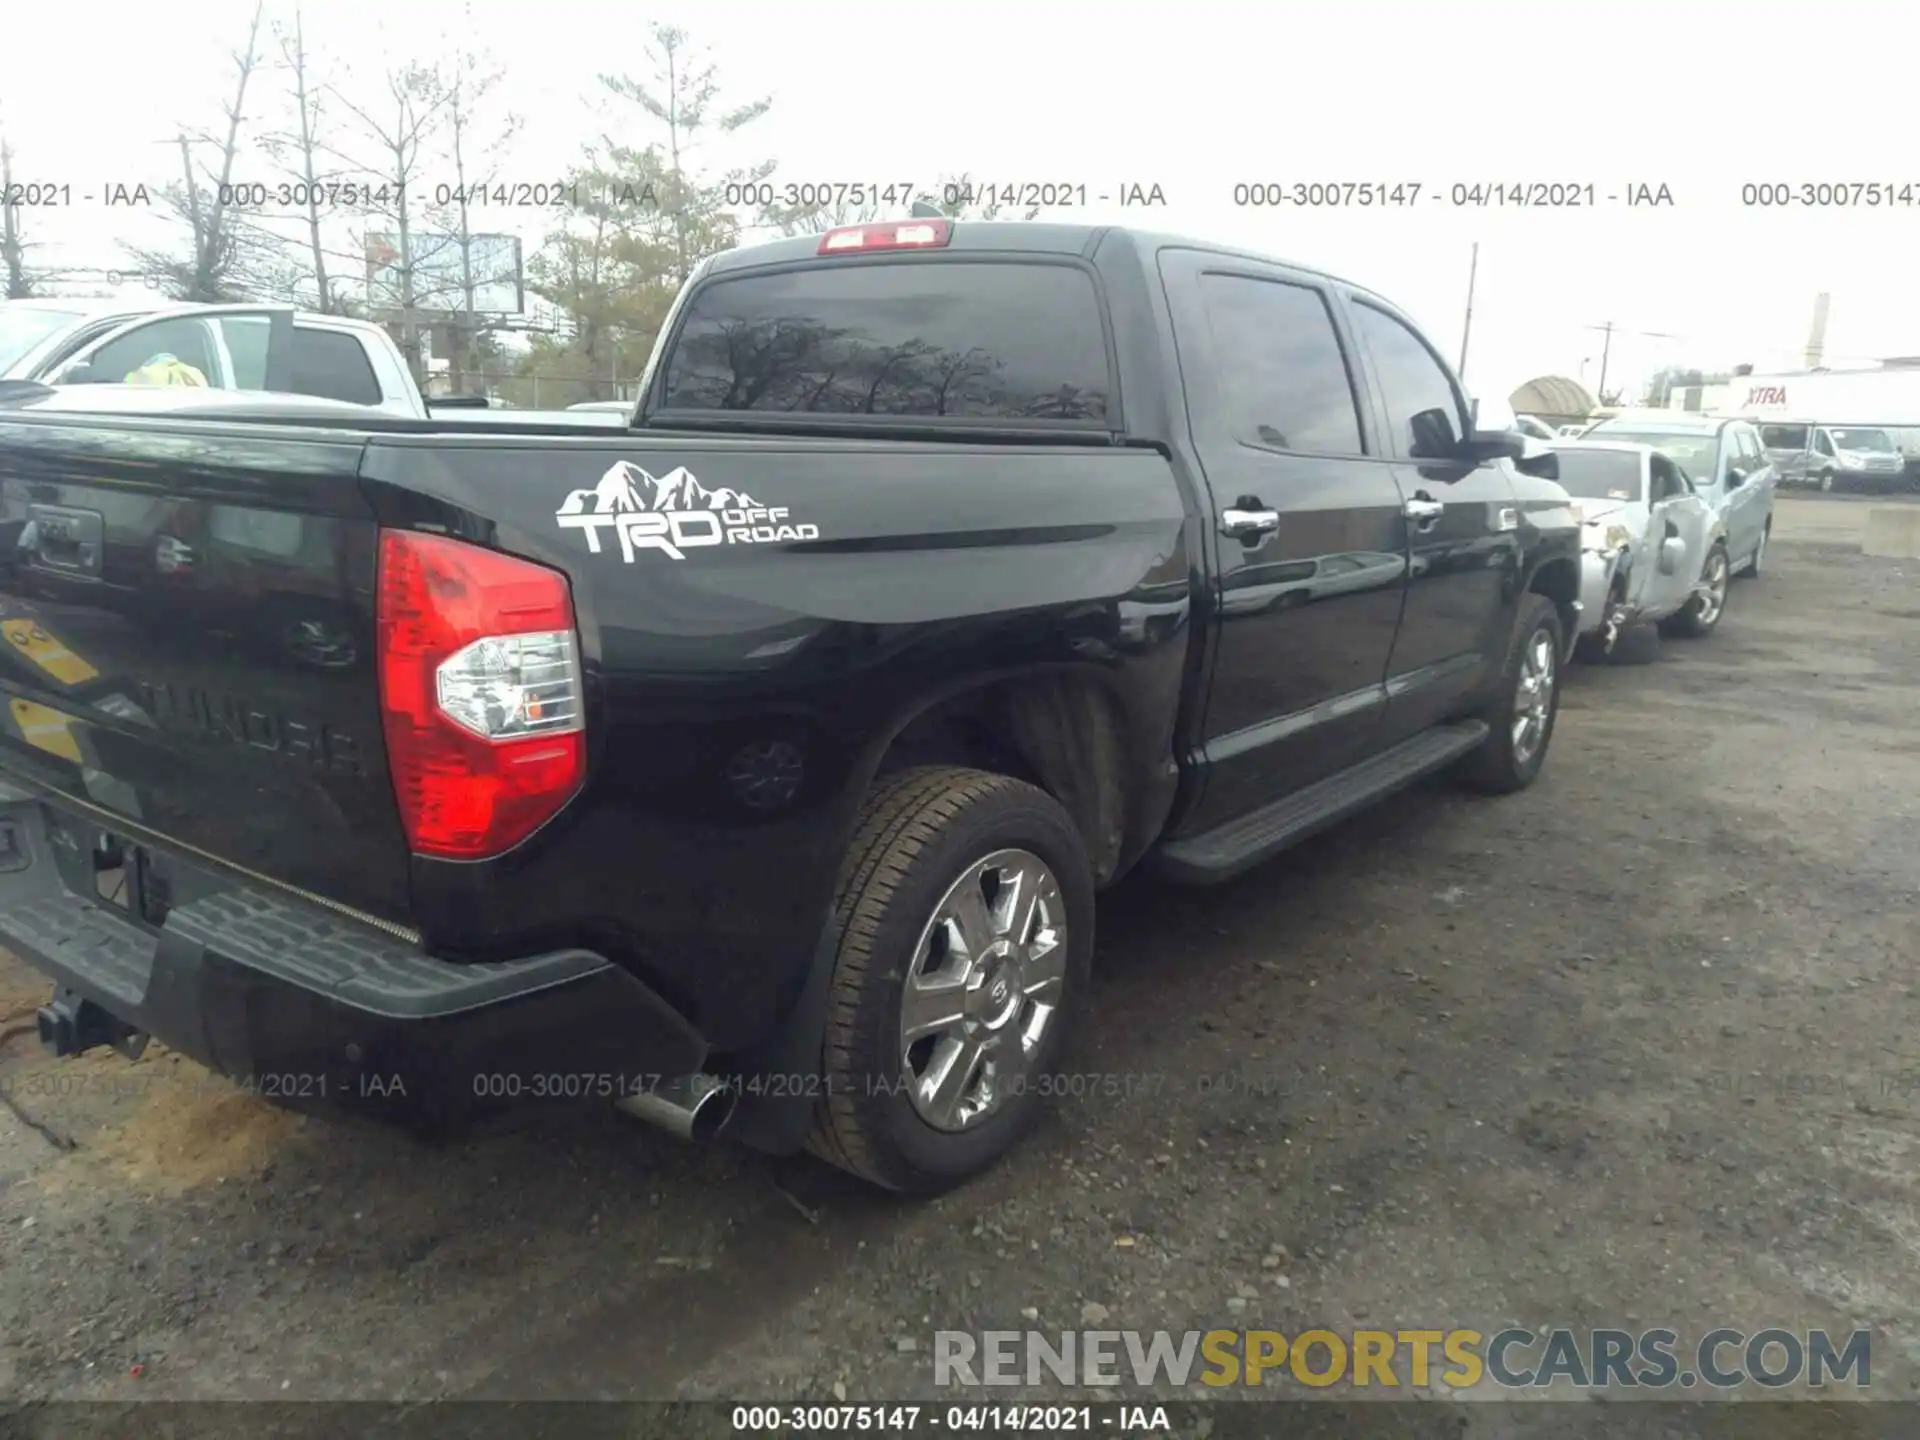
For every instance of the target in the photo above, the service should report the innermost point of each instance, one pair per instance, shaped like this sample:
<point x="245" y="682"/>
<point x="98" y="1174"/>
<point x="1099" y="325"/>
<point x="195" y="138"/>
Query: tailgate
<point x="188" y="625"/>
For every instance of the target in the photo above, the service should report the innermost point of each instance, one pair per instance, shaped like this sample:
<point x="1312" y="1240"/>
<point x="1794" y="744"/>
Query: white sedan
<point x="1653" y="548"/>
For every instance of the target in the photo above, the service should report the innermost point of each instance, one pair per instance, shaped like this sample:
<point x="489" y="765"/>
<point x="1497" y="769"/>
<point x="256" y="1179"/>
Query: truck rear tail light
<point x="480" y="693"/>
<point x="891" y="235"/>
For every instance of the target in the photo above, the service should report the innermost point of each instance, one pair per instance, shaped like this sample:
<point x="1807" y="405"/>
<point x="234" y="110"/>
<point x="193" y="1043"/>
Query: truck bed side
<point x="759" y="620"/>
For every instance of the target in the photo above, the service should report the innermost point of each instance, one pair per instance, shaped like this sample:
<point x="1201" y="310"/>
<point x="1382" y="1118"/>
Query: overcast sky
<point x="1195" y="98"/>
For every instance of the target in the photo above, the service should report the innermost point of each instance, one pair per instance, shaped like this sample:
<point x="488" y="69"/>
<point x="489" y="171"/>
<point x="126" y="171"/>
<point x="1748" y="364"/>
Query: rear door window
<point x="966" y="340"/>
<point x="1281" y="366"/>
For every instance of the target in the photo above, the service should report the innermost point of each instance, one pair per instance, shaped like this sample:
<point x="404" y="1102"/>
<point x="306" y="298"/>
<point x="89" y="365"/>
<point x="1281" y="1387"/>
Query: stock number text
<point x="1327" y="193"/>
<point x="821" y="194"/>
<point x="298" y="194"/>
<point x="1836" y="194"/>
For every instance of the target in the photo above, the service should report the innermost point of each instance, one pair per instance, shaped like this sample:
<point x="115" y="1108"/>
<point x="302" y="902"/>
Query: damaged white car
<point x="1654" y="550"/>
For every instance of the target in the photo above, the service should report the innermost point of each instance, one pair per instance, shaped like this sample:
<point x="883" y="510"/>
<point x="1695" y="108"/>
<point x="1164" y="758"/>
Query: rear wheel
<point x="965" y="935"/>
<point x="1699" y="617"/>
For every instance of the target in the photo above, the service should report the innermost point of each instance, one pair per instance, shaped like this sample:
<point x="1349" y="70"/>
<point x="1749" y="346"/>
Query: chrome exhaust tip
<point x="692" y="1107"/>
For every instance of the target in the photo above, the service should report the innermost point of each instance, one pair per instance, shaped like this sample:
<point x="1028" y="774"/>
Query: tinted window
<point x="948" y="339"/>
<point x="1784" y="437"/>
<point x="1422" y="408"/>
<point x="1748" y="446"/>
<point x="1600" y="474"/>
<point x="1281" y="366"/>
<point x="1821" y="443"/>
<point x="332" y="366"/>
<point x="184" y="339"/>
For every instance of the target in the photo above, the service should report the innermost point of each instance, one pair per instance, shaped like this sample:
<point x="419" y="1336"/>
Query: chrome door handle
<point x="1422" y="510"/>
<point x="1244" y="524"/>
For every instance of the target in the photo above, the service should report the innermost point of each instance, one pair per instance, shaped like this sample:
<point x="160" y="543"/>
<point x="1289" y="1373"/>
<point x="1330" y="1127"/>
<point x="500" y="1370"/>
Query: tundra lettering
<point x="234" y="719"/>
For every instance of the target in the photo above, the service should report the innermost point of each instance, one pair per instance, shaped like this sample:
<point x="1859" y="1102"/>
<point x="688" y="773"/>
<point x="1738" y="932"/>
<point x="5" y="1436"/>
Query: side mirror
<point x="1673" y="550"/>
<point x="1433" y="436"/>
<point x="78" y="373"/>
<point x="1736" y="477"/>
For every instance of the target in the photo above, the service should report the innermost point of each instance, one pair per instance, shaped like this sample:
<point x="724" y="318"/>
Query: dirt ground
<point x="1634" y="1048"/>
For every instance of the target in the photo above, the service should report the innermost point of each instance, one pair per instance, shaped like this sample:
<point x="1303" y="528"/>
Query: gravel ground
<point x="1634" y="1048"/>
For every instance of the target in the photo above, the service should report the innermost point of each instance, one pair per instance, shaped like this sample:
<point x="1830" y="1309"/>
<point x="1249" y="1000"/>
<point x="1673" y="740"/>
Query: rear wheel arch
<point x="1064" y="731"/>
<point x="1558" y="578"/>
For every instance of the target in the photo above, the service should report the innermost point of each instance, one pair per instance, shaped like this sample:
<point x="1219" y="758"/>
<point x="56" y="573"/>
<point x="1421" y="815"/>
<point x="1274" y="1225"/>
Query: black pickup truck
<point x="755" y="765"/>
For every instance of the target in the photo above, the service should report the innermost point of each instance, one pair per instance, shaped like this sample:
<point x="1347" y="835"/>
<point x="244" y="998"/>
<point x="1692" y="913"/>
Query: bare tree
<point x="684" y="97"/>
<point x="477" y="143"/>
<point x="13" y="247"/>
<point x="396" y="129"/>
<point x="300" y="152"/>
<point x="214" y="268"/>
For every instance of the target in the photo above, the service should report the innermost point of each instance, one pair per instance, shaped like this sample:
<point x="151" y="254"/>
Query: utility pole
<point x="1466" y="334"/>
<point x="1606" y="349"/>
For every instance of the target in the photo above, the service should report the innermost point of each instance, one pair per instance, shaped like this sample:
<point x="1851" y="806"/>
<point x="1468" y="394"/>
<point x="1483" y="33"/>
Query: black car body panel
<point x="768" y="605"/>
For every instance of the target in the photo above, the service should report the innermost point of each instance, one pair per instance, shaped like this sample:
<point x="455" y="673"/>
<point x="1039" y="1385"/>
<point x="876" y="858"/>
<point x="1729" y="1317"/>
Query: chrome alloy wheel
<point x="987" y="977"/>
<point x="1533" y="698"/>
<point x="1713" y="599"/>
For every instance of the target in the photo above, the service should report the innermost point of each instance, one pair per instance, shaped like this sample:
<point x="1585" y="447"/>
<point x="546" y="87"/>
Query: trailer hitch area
<point x="69" y="1024"/>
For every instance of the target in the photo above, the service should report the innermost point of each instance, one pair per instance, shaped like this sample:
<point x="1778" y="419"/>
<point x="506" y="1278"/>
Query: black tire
<point x="1698" y="619"/>
<point x="1756" y="565"/>
<point x="918" y="833"/>
<point x="1637" y="645"/>
<point x="1497" y="767"/>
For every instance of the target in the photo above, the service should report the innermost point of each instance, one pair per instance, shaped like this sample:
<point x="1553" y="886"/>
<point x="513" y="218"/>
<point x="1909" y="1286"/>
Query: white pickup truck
<point x="236" y="347"/>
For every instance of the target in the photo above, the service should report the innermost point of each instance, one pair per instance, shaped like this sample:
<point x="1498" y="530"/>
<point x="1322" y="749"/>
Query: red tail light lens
<point x="890" y="235"/>
<point x="480" y="693"/>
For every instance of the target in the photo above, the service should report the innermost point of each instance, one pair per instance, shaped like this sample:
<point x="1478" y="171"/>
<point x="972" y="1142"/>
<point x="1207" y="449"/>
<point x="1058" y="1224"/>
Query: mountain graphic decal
<point x="673" y="513"/>
<point x="627" y="488"/>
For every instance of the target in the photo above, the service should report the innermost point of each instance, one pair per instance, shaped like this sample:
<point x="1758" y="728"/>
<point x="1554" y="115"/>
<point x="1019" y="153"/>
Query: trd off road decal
<point x="673" y="513"/>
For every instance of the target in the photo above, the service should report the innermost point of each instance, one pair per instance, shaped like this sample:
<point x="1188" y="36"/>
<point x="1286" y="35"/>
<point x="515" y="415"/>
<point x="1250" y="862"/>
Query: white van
<point x="1808" y="453"/>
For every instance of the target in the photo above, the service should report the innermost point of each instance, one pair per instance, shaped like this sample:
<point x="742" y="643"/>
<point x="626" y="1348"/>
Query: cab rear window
<point x="1011" y="342"/>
